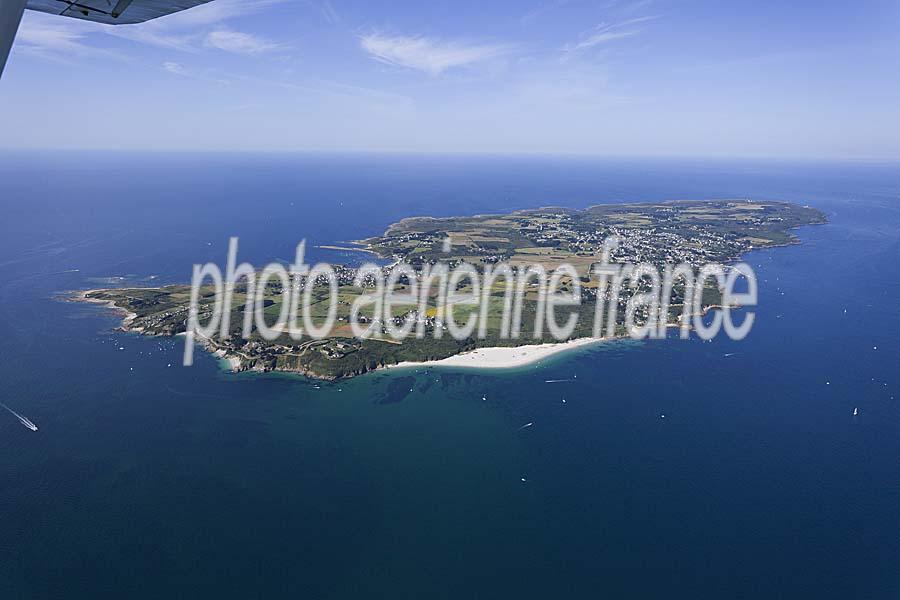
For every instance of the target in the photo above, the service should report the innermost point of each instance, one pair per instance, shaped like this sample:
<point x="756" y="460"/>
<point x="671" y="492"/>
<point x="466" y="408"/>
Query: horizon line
<point x="465" y="153"/>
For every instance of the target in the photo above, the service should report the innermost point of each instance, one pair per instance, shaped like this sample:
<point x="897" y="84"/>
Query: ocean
<point x="150" y="480"/>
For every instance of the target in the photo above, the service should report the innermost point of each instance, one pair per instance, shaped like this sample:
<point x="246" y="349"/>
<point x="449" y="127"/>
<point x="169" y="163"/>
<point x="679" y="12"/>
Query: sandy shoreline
<point x="234" y="362"/>
<point x="482" y="358"/>
<point x="498" y="357"/>
<point x="81" y="296"/>
<point x="503" y="357"/>
<point x="346" y="248"/>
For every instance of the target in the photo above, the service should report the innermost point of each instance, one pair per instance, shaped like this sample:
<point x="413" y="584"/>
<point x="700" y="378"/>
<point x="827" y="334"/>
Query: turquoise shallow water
<point x="146" y="480"/>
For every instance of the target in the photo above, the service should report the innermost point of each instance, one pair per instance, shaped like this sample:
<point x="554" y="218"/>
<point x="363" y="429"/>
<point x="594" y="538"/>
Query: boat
<point x="23" y="420"/>
<point x="855" y="412"/>
<point x="28" y="424"/>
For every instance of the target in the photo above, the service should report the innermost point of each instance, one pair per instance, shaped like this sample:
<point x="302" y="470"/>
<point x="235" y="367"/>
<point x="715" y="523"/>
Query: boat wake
<point x="23" y="420"/>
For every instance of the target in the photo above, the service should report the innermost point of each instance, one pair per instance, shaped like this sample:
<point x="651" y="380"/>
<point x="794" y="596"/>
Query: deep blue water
<point x="150" y="481"/>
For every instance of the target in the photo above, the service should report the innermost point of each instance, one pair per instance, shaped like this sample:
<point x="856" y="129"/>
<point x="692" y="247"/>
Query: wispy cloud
<point x="429" y="55"/>
<point x="162" y="37"/>
<point x="237" y="42"/>
<point x="330" y="14"/>
<point x="215" y="12"/>
<point x="174" y="68"/>
<point x="188" y="31"/>
<point x="608" y="32"/>
<point x="59" y="41"/>
<point x="541" y="9"/>
<point x="625" y="7"/>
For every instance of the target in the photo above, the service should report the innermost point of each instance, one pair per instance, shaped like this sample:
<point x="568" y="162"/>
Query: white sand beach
<point x="504" y="358"/>
<point x="81" y="296"/>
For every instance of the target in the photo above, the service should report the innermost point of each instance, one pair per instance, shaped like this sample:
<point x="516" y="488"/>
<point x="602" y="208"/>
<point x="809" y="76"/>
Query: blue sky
<point x="622" y="78"/>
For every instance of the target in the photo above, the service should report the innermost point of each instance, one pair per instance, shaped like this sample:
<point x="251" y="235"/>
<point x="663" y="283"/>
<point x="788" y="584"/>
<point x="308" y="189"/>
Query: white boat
<point x="28" y="424"/>
<point x="855" y="412"/>
<point x="23" y="420"/>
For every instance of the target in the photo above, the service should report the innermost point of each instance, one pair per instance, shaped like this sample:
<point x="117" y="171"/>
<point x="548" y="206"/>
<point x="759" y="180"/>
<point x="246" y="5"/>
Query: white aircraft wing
<point x="113" y="12"/>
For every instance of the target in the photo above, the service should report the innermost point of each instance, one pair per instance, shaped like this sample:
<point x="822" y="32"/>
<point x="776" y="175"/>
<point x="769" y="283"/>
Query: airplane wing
<point x="113" y="12"/>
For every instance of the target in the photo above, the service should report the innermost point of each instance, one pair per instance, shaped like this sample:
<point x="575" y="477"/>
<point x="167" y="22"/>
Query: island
<point x="692" y="232"/>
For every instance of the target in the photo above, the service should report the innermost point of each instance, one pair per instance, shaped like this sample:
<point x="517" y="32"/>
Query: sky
<point x="609" y="78"/>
